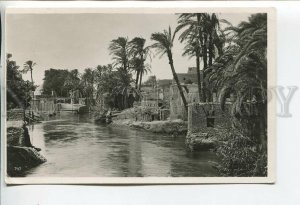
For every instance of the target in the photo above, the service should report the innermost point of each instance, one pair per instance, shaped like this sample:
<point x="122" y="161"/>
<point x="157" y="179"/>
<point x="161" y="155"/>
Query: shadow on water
<point x="75" y="146"/>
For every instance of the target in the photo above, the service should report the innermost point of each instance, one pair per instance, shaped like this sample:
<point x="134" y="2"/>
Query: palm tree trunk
<point x="177" y="81"/>
<point x="141" y="77"/>
<point x="31" y="76"/>
<point x="137" y="79"/>
<point x="204" y="65"/>
<point x="210" y="61"/>
<point x="210" y="50"/>
<point x="198" y="75"/>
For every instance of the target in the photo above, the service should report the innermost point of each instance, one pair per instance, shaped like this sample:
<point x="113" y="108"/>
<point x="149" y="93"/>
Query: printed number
<point x="18" y="168"/>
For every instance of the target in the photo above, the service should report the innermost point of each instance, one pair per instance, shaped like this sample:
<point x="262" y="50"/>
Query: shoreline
<point x="171" y="127"/>
<point x="21" y="154"/>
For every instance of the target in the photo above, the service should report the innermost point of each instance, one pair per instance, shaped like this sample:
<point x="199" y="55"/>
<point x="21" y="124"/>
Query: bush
<point x="240" y="155"/>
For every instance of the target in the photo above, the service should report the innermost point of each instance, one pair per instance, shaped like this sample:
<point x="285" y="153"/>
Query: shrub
<point x="240" y="155"/>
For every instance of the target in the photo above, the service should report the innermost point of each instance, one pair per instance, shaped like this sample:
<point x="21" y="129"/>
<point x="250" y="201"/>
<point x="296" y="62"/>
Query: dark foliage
<point x="18" y="90"/>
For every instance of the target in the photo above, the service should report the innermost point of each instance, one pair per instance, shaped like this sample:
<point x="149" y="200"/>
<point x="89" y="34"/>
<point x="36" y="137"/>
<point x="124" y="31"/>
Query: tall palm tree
<point x="119" y="49"/>
<point x="215" y="39"/>
<point x="192" y="35"/>
<point x="163" y="45"/>
<point x="139" y="54"/>
<point x="28" y="66"/>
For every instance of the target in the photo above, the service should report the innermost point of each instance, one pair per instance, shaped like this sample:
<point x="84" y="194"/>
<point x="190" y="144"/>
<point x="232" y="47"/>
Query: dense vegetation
<point x="18" y="90"/>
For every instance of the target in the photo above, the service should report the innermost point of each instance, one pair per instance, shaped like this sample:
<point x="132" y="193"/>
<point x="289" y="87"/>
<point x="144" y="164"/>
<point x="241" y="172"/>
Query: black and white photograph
<point x="139" y="96"/>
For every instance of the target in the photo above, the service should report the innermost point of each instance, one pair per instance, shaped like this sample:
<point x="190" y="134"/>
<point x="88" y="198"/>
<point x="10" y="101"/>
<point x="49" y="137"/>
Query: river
<point x="77" y="147"/>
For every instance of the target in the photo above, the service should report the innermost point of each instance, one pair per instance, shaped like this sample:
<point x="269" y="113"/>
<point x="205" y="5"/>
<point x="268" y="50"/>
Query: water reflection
<point x="75" y="146"/>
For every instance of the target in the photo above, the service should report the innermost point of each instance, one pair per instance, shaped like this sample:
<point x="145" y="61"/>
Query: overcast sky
<point x="69" y="41"/>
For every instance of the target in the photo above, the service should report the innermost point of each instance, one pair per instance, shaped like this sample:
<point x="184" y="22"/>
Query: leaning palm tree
<point x="28" y="66"/>
<point x="163" y="45"/>
<point x="139" y="54"/>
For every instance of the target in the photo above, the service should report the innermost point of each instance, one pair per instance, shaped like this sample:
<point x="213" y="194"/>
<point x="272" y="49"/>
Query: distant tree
<point x="28" y="66"/>
<point x="72" y="81"/>
<point x="17" y="89"/>
<point x="114" y="85"/>
<point x="151" y="81"/>
<point x="119" y="49"/>
<point x="163" y="45"/>
<point x="54" y="80"/>
<point x="87" y="83"/>
<point x="139" y="54"/>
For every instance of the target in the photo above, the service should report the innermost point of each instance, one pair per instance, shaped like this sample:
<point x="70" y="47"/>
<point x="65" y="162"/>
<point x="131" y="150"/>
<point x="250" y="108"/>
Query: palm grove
<point x="234" y="63"/>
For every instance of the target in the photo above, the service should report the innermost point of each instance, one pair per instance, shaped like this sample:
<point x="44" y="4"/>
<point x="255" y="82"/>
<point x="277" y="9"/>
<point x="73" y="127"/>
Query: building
<point x="189" y="83"/>
<point x="190" y="77"/>
<point x="164" y="89"/>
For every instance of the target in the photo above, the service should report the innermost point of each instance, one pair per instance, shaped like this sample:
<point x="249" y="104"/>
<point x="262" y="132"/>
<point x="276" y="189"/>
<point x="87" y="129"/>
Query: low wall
<point x="205" y="124"/>
<point x="197" y="119"/>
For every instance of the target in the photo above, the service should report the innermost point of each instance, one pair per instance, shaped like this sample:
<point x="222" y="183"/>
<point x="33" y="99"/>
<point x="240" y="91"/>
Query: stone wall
<point x="197" y="119"/>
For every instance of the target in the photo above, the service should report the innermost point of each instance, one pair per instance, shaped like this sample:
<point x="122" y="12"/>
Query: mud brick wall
<point x="197" y="120"/>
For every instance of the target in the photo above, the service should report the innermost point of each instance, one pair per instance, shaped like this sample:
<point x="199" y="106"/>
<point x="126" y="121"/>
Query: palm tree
<point x="72" y="82"/>
<point x="139" y="54"/>
<point x="28" y="66"/>
<point x="193" y="37"/>
<point x="119" y="49"/>
<point x="242" y="71"/>
<point x="87" y="83"/>
<point x="163" y="45"/>
<point x="215" y="39"/>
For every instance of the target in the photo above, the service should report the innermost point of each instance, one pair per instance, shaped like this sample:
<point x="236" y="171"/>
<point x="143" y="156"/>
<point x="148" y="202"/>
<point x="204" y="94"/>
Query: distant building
<point x="192" y="70"/>
<point x="190" y="77"/>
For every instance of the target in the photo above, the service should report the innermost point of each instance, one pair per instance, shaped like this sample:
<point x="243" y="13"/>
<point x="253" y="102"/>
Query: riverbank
<point x="20" y="156"/>
<point x="173" y="127"/>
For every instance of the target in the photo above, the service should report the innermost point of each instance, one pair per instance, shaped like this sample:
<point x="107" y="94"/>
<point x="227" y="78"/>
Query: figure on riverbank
<point x="27" y="140"/>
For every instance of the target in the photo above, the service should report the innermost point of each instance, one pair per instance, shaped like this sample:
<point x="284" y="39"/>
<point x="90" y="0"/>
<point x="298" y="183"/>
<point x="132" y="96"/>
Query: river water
<point x="77" y="147"/>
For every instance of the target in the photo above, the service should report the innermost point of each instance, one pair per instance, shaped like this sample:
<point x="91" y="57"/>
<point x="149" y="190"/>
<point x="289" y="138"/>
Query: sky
<point x="79" y="41"/>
